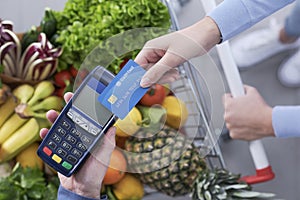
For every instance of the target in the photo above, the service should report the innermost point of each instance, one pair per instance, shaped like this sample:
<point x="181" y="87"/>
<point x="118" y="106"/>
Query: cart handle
<point x="263" y="169"/>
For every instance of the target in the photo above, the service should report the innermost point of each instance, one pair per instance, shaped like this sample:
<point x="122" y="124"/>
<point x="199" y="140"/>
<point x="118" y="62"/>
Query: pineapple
<point x="170" y="163"/>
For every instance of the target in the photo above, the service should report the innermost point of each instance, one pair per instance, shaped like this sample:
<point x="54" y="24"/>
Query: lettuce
<point x="84" y="24"/>
<point x="28" y="183"/>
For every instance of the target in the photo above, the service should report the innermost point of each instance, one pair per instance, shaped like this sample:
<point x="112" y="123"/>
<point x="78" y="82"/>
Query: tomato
<point x="125" y="60"/>
<point x="60" y="92"/>
<point x="62" y="78"/>
<point x="155" y="95"/>
<point x="73" y="71"/>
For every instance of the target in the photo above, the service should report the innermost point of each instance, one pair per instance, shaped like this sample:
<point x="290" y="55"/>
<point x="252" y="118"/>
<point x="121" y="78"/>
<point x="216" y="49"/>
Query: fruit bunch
<point x="159" y="154"/>
<point x="23" y="115"/>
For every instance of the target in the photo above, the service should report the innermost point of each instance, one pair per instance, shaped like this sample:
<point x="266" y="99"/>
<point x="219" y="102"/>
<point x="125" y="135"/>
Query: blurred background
<point x="283" y="154"/>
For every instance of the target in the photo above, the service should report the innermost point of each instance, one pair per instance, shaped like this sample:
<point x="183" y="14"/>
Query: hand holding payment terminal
<point x="80" y="125"/>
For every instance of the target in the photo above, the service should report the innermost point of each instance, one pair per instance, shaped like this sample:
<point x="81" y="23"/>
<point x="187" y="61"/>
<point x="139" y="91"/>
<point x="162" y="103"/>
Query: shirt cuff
<point x="235" y="16"/>
<point x="64" y="194"/>
<point x="286" y="121"/>
<point x="228" y="18"/>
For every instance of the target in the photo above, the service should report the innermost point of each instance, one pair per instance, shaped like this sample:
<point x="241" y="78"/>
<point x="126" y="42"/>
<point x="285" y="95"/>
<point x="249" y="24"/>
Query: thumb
<point x="109" y="138"/>
<point x="103" y="152"/>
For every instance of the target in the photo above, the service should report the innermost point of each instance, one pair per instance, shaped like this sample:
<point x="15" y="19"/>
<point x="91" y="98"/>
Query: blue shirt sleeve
<point x="235" y="16"/>
<point x="286" y="121"/>
<point x="64" y="194"/>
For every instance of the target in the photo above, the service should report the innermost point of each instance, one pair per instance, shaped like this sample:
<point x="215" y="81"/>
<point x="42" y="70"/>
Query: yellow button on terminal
<point x="56" y="158"/>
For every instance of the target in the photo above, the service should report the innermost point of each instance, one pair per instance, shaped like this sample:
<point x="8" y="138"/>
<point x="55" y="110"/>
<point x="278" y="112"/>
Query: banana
<point x="25" y="112"/>
<point x="42" y="90"/>
<point x="23" y="92"/>
<point x="41" y="115"/>
<point x="19" y="140"/>
<point x="51" y="102"/>
<point x="7" y="109"/>
<point x="43" y="123"/>
<point x="11" y="125"/>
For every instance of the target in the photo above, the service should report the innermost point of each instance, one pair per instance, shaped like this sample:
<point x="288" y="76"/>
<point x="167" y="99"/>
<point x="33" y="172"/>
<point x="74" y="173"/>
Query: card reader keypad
<point x="68" y="143"/>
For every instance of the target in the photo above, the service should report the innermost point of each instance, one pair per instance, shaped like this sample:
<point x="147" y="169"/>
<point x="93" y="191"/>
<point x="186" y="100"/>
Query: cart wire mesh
<point x="188" y="88"/>
<point x="191" y="89"/>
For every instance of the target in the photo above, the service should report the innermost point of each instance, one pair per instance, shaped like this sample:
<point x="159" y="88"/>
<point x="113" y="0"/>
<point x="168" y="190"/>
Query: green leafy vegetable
<point x="48" y="24"/>
<point x="29" y="37"/>
<point x="28" y="183"/>
<point x="84" y="24"/>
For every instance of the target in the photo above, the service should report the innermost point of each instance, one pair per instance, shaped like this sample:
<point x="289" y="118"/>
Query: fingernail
<point x="145" y="82"/>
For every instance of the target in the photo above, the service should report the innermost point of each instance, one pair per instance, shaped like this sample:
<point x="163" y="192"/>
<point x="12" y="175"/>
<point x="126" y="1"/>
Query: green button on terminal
<point x="67" y="165"/>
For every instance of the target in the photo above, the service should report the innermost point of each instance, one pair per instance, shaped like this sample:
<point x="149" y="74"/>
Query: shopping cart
<point x="194" y="90"/>
<point x="208" y="133"/>
<point x="263" y="169"/>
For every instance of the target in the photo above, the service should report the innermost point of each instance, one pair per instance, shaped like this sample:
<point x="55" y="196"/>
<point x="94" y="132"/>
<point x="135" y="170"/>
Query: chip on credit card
<point x="124" y="91"/>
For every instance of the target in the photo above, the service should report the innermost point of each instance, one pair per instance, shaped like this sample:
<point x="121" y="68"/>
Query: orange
<point x="116" y="169"/>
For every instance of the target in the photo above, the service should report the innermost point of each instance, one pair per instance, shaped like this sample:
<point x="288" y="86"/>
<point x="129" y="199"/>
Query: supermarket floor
<point x="283" y="154"/>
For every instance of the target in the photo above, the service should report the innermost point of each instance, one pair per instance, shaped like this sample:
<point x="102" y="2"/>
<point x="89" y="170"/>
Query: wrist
<point x="206" y="33"/>
<point x="213" y="31"/>
<point x="81" y="190"/>
<point x="268" y="129"/>
<point x="94" y="194"/>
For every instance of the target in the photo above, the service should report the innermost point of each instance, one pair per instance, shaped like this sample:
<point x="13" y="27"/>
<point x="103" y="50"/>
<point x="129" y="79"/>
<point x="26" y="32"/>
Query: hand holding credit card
<point x="124" y="91"/>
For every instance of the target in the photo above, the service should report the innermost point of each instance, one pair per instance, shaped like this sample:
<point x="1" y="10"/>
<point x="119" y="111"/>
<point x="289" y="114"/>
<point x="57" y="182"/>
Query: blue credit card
<point x="124" y="91"/>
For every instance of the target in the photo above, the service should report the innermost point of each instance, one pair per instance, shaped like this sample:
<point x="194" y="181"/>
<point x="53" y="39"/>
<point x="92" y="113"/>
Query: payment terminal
<point x="80" y="125"/>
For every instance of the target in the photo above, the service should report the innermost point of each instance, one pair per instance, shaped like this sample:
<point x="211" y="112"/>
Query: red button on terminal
<point x="47" y="151"/>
